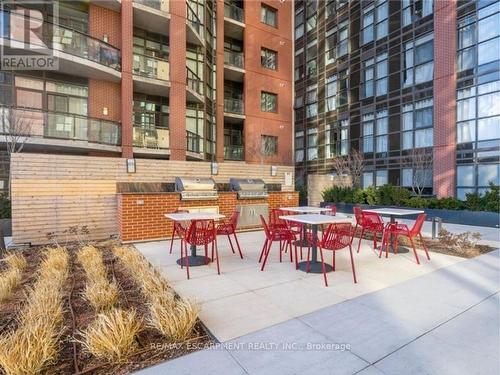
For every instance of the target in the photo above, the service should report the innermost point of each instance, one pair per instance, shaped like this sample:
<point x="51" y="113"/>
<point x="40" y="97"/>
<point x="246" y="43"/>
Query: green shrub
<point x="337" y="194"/>
<point x="490" y="201"/>
<point x="359" y="196"/>
<point x="451" y="204"/>
<point x="389" y="195"/>
<point x="371" y="195"/>
<point x="4" y="207"/>
<point x="416" y="202"/>
<point x="473" y="202"/>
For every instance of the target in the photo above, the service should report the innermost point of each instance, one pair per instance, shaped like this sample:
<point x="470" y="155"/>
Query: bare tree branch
<point x="352" y="165"/>
<point x="420" y="161"/>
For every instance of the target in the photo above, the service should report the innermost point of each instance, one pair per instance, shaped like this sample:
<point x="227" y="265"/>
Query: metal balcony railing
<point x="70" y="41"/>
<point x="194" y="20"/>
<point x="152" y="67"/>
<point x="35" y="123"/>
<point x="193" y="141"/>
<point x="234" y="58"/>
<point x="233" y="152"/>
<point x="233" y="12"/>
<point x="194" y="82"/>
<point x="234" y="106"/>
<point x="152" y="138"/>
<point x="155" y="4"/>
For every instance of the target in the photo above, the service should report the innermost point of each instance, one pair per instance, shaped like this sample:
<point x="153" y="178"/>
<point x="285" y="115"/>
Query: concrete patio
<point x="244" y="299"/>
<point x="441" y="319"/>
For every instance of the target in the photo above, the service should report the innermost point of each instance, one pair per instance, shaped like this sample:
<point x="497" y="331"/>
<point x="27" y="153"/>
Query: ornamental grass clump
<point x="99" y="291"/>
<point x="112" y="336"/>
<point x="11" y="277"/>
<point x="35" y="342"/>
<point x="174" y="317"/>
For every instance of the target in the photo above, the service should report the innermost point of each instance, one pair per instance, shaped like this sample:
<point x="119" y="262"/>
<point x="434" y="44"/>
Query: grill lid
<point x="194" y="184"/>
<point x="247" y="184"/>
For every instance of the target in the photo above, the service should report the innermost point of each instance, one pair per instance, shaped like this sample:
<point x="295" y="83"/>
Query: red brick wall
<point x="104" y="94"/>
<point x="444" y="97"/>
<point x="103" y="21"/>
<point x="127" y="84"/>
<point x="146" y="221"/>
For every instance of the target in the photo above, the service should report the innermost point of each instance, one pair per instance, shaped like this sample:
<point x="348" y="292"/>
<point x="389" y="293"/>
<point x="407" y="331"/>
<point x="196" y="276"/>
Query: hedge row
<point x="389" y="195"/>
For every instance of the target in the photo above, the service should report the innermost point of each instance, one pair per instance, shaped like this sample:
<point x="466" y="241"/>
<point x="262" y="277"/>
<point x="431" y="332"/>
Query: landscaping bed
<point x="74" y="352"/>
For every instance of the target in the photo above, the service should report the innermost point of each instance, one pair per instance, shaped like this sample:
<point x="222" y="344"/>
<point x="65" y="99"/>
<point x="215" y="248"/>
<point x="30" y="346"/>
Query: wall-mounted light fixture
<point x="131" y="166"/>
<point x="274" y="170"/>
<point x="105" y="111"/>
<point x="105" y="38"/>
<point x="214" y="168"/>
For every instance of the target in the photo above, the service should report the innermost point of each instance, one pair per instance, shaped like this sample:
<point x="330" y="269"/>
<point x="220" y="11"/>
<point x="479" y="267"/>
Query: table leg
<point x="194" y="259"/>
<point x="314" y="265"/>
<point x="391" y="245"/>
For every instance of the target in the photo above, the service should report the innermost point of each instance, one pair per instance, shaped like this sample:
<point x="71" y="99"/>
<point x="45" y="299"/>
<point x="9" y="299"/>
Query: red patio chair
<point x="336" y="237"/>
<point x="403" y="230"/>
<point x="178" y="229"/>
<point x="200" y="233"/>
<point x="332" y="211"/>
<point x="228" y="228"/>
<point x="275" y="235"/>
<point x="372" y="223"/>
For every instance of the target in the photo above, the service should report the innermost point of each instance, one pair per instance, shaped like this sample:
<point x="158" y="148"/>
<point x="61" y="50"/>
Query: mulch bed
<point x="153" y="348"/>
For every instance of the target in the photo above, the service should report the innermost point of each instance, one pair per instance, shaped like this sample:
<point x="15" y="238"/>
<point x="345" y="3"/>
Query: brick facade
<point x="445" y="134"/>
<point x="138" y="222"/>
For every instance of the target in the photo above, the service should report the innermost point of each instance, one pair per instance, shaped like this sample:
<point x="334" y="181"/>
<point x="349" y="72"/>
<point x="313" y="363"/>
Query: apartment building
<point x="199" y="80"/>
<point x="391" y="77"/>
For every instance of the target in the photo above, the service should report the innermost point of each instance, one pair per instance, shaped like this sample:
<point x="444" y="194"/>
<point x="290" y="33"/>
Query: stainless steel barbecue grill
<point x="249" y="188"/>
<point x="196" y="188"/>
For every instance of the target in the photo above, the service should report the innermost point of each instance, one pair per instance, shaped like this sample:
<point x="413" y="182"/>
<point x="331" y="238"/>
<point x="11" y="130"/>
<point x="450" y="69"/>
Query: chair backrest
<point x="372" y="218"/>
<point x="233" y="221"/>
<point x="337" y="236"/>
<point x="358" y="214"/>
<point x="417" y="227"/>
<point x="265" y="226"/>
<point x="332" y="211"/>
<point x="201" y="232"/>
<point x="274" y="217"/>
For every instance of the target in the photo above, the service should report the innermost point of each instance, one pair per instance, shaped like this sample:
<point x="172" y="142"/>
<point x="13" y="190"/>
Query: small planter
<point x="463" y="217"/>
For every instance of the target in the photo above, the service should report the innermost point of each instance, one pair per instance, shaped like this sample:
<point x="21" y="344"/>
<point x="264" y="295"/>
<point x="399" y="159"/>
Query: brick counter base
<point x="141" y="216"/>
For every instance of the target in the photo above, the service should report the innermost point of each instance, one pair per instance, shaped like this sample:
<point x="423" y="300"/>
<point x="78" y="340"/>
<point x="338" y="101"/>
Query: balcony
<point x="61" y="130"/>
<point x="152" y="15"/>
<point x="234" y="63"/>
<point x="77" y="53"/>
<point x="151" y="75"/>
<point x="234" y="18"/>
<point x="233" y="106"/>
<point x="193" y="145"/>
<point x="194" y="27"/>
<point x="151" y="140"/>
<point x="194" y="87"/>
<point x="233" y="152"/>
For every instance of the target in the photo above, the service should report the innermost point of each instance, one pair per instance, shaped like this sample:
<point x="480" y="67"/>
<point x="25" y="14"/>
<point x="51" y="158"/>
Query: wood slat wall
<point x="51" y="193"/>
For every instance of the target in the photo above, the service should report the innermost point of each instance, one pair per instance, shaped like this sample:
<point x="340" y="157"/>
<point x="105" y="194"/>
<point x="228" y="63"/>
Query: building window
<point x="299" y="23"/>
<point x="312" y="144"/>
<point x="299" y="146"/>
<point x="343" y="39"/>
<point x="375" y="129"/>
<point x="381" y="178"/>
<point x="343" y="97"/>
<point x="268" y="15"/>
<point x="374" y="76"/>
<point x="299" y="64"/>
<point x="312" y="101"/>
<point x="312" y="15"/>
<point x="330" y="45"/>
<point x="367" y="179"/>
<point x="418" y="61"/>
<point x="268" y="102"/>
<point x="375" y="22"/>
<point x="417" y="125"/>
<point x="269" y="145"/>
<point x="311" y="54"/>
<point x="471" y="178"/>
<point x="330" y="8"/>
<point x="331" y="93"/>
<point x="337" y="139"/>
<point x="414" y="10"/>
<point x="269" y="58"/>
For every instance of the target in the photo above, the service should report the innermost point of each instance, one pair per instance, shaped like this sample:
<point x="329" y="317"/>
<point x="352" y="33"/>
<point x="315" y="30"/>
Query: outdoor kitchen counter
<point x="141" y="215"/>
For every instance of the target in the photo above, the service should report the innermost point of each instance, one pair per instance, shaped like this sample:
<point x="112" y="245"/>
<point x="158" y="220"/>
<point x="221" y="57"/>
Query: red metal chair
<point x="228" y="228"/>
<point x="178" y="229"/>
<point x="336" y="237"/>
<point x="275" y="223"/>
<point x="280" y="236"/>
<point x="200" y="233"/>
<point x="332" y="211"/>
<point x="372" y="223"/>
<point x="402" y="230"/>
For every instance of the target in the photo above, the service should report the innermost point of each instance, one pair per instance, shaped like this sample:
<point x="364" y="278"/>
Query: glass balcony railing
<point x="193" y="142"/>
<point x="27" y="122"/>
<point x="233" y="12"/>
<point x="234" y="106"/>
<point x="194" y="82"/>
<point x="70" y="41"/>
<point x="234" y="59"/>
<point x="152" y="138"/>
<point x="194" y="20"/>
<point x="155" y="4"/>
<point x="233" y="152"/>
<point x="151" y="67"/>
